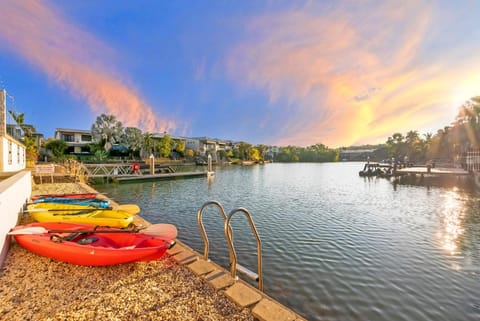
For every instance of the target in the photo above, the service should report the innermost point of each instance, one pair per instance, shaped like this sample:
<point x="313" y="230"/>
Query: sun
<point x="463" y="92"/>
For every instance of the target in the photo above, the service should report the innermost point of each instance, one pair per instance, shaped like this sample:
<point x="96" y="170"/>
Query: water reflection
<point x="336" y="246"/>
<point x="455" y="183"/>
<point x="452" y="211"/>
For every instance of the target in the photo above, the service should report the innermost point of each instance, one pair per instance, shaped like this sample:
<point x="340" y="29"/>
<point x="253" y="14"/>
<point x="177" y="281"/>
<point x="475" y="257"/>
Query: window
<point x="86" y="138"/>
<point x="9" y="152"/>
<point x="68" y="137"/>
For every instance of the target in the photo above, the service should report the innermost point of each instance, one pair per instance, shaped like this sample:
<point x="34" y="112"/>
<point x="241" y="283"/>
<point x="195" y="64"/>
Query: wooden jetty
<point x="156" y="177"/>
<point x="130" y="172"/>
<point x="389" y="170"/>
<point x="422" y="174"/>
<point x="431" y="171"/>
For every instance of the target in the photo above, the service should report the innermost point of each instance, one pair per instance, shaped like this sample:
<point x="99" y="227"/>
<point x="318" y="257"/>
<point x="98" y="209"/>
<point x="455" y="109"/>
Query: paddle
<point x="131" y="209"/>
<point x="167" y="231"/>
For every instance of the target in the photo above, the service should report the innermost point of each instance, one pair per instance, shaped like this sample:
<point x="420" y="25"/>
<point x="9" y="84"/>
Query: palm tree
<point x="106" y="131"/>
<point x="132" y="137"/>
<point x="148" y="144"/>
<point x="28" y="139"/>
<point x="19" y="118"/>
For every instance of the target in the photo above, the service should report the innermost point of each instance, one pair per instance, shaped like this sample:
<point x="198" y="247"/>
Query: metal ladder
<point x="234" y="266"/>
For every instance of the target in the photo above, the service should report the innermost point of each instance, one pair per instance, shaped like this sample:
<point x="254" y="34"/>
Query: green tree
<point x="189" y="153"/>
<point x="57" y="147"/>
<point x="179" y="146"/>
<point x="107" y="130"/>
<point x="222" y="154"/>
<point x="100" y="155"/>
<point x="288" y="154"/>
<point x="164" y="146"/>
<point x="395" y="145"/>
<point x="242" y="151"/>
<point x="31" y="148"/>
<point x="467" y="124"/>
<point x="19" y="119"/>
<point x="262" y="150"/>
<point x="132" y="138"/>
<point x="253" y="154"/>
<point x="148" y="144"/>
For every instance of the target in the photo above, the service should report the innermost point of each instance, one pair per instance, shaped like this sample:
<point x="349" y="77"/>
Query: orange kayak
<point x="104" y="246"/>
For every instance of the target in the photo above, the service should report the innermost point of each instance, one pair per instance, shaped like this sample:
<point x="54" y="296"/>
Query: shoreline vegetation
<point x="33" y="287"/>
<point x="108" y="139"/>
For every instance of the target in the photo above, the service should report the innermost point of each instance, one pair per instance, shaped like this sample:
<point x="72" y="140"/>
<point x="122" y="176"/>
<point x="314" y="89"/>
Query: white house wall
<point x="14" y="193"/>
<point x="192" y="144"/>
<point x="13" y="155"/>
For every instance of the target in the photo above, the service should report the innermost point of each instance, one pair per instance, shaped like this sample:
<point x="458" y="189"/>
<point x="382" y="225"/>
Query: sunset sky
<point x="339" y="73"/>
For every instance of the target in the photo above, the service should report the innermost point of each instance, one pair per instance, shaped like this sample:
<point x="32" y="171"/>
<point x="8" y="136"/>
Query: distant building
<point x="271" y="152"/>
<point x="355" y="154"/>
<point x="77" y="140"/>
<point x="15" y="131"/>
<point x="39" y="140"/>
<point x="205" y="145"/>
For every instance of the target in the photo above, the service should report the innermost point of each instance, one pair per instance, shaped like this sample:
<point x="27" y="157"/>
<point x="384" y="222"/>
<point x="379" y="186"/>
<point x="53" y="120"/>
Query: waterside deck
<point x="426" y="170"/>
<point x="155" y="177"/>
<point x="398" y="170"/>
<point x="137" y="290"/>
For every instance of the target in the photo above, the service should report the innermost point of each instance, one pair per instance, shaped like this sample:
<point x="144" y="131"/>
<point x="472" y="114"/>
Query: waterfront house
<point x="78" y="140"/>
<point x="205" y="145"/>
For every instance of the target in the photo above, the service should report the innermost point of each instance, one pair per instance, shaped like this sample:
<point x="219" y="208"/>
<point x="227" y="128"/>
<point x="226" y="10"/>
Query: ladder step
<point x="250" y="274"/>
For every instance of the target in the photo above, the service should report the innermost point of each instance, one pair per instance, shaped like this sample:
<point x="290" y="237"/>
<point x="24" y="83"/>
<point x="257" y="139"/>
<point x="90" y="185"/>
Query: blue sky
<point x="299" y="73"/>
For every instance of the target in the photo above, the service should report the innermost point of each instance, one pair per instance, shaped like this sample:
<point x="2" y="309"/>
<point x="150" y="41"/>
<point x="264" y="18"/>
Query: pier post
<point x="209" y="163"/>
<point x="152" y="164"/>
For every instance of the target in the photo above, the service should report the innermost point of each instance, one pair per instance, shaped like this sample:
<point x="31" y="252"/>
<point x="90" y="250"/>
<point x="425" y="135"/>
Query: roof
<point x="69" y="130"/>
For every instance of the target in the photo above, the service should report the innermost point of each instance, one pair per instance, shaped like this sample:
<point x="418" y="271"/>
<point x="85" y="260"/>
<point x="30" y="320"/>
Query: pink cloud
<point x="72" y="57"/>
<point x="355" y="74"/>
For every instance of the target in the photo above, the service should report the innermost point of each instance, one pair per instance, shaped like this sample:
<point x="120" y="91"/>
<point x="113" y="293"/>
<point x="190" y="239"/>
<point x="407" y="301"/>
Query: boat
<point x="94" y="202"/>
<point x="66" y="195"/>
<point x="60" y="208"/>
<point x="87" y="215"/>
<point x="85" y="244"/>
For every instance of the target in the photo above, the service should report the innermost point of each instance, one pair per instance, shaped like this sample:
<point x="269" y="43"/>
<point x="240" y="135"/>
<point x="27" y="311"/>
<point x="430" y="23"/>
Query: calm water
<point x="336" y="246"/>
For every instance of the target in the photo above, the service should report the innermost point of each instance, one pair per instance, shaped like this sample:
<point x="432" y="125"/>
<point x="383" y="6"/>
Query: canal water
<point x="336" y="246"/>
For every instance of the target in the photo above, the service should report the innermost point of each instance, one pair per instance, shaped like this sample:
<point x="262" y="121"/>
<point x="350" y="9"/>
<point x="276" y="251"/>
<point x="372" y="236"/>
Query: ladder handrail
<point x="233" y="256"/>
<point x="202" y="228"/>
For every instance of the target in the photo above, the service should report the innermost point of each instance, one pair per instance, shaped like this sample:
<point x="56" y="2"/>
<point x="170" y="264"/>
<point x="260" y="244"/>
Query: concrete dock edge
<point x="262" y="307"/>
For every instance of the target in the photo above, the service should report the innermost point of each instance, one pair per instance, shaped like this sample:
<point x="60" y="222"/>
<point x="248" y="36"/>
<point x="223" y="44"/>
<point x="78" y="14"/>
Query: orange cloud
<point x="355" y="75"/>
<point x="72" y="57"/>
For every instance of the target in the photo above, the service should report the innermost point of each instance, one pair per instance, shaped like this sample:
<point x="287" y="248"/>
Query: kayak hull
<point x="89" y="215"/>
<point x="94" y="202"/>
<point x="56" y="206"/>
<point x="70" y="195"/>
<point x="93" y="249"/>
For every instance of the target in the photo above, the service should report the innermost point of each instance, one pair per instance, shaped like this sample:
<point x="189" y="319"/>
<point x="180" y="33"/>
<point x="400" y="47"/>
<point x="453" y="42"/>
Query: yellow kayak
<point x="88" y="215"/>
<point x="61" y="208"/>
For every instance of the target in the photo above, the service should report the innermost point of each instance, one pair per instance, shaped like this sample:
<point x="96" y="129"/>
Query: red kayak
<point x="86" y="245"/>
<point x="68" y="195"/>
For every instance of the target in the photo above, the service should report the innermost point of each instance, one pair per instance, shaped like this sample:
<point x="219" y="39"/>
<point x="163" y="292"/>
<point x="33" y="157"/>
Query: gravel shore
<point x="38" y="288"/>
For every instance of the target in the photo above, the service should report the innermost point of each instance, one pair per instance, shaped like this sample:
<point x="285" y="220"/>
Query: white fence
<point x="472" y="161"/>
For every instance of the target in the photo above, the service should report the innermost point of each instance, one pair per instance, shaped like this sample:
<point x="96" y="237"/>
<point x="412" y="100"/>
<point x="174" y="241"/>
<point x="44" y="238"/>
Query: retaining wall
<point x="14" y="193"/>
